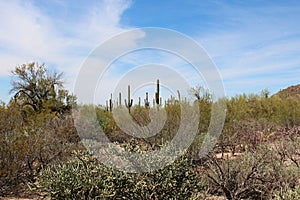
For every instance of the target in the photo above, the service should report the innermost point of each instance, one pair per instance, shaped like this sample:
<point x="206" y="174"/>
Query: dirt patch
<point x="227" y="155"/>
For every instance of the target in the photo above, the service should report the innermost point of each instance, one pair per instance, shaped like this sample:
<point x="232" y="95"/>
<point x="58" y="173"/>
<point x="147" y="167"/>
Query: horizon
<point x="254" y="45"/>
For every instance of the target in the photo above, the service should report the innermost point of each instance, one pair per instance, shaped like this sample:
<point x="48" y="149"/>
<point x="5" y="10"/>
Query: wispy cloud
<point x="254" y="45"/>
<point x="31" y="32"/>
<point x="260" y="46"/>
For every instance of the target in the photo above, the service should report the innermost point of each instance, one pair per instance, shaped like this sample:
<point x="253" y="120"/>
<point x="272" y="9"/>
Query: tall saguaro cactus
<point x="120" y="99"/>
<point x="147" y="103"/>
<point x="178" y="92"/>
<point x="129" y="102"/>
<point x="157" y="92"/>
<point x="110" y="103"/>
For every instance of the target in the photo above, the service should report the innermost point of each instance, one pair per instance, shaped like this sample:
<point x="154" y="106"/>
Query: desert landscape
<point x="257" y="156"/>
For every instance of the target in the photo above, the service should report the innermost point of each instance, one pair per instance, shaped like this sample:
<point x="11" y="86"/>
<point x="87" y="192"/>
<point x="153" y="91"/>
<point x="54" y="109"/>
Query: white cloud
<point x="101" y="22"/>
<point x="29" y="33"/>
<point x="251" y="41"/>
<point x="259" y="49"/>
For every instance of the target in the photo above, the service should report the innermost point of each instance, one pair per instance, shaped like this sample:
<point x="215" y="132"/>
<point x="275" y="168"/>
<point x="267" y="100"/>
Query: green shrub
<point x="85" y="178"/>
<point x="30" y="143"/>
<point x="290" y="194"/>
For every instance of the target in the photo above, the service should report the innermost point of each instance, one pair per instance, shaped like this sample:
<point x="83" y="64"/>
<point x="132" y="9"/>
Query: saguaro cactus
<point x="129" y="103"/>
<point x="110" y="103"/>
<point x="120" y="99"/>
<point x="178" y="92"/>
<point x="157" y="92"/>
<point x="139" y="102"/>
<point x="147" y="103"/>
<point x="106" y="105"/>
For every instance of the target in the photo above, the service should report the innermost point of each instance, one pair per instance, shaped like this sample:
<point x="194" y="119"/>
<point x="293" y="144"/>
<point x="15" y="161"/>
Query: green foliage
<point x="37" y="89"/>
<point x="106" y="120"/>
<point x="29" y="144"/>
<point x="258" y="174"/>
<point x="283" y="111"/>
<point x="290" y="194"/>
<point x="251" y="120"/>
<point x="37" y="135"/>
<point x="84" y="178"/>
<point x="35" y="128"/>
<point x="80" y="178"/>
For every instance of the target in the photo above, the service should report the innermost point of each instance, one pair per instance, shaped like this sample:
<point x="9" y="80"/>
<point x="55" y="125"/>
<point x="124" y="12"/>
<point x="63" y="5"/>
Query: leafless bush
<point x="253" y="175"/>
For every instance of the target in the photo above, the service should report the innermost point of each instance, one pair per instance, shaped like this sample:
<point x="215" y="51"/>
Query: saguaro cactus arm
<point x="129" y="102"/>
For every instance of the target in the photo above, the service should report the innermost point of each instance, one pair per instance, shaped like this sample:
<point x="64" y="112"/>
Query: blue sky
<point x="254" y="44"/>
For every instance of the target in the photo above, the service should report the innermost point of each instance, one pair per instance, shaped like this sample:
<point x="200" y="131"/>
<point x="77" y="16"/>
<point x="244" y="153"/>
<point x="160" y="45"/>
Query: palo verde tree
<point x="35" y="88"/>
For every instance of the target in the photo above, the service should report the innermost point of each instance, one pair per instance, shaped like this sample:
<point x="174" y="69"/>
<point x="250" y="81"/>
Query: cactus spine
<point x="129" y="103"/>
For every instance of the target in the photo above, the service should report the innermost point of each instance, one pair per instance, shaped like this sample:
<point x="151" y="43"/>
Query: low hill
<point x="292" y="91"/>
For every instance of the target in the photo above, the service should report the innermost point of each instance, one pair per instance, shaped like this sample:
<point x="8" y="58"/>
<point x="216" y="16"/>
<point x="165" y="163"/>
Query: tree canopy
<point x="35" y="88"/>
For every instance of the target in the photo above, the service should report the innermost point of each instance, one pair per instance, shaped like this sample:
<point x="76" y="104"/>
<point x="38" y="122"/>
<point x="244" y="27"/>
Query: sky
<point x="255" y="45"/>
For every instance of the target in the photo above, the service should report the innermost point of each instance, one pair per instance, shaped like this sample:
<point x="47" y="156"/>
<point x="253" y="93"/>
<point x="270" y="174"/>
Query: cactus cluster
<point x="157" y="100"/>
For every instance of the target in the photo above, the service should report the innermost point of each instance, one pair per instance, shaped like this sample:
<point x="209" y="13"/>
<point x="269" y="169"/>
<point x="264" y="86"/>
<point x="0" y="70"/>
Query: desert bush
<point x="251" y="120"/>
<point x="35" y="127"/>
<point x="29" y="143"/>
<point x="290" y="194"/>
<point x="288" y="150"/>
<point x="140" y="115"/>
<point x="83" y="177"/>
<point x="247" y="134"/>
<point x="80" y="178"/>
<point x="253" y="175"/>
<point x="282" y="111"/>
<point x="106" y="120"/>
